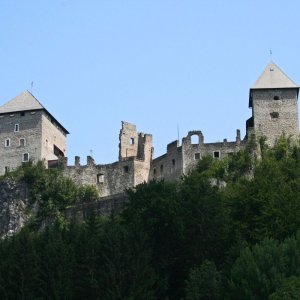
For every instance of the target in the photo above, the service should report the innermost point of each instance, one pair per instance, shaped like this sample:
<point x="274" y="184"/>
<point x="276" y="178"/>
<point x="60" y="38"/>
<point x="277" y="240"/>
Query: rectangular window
<point x="126" y="169"/>
<point x="161" y="168"/>
<point x="22" y="142"/>
<point x="131" y="141"/>
<point x="7" y="143"/>
<point x="17" y="127"/>
<point x="197" y="156"/>
<point x="216" y="154"/>
<point x="25" y="157"/>
<point x="100" y="178"/>
<point x="22" y="113"/>
<point x="173" y="162"/>
<point x="6" y="170"/>
<point x="274" y="115"/>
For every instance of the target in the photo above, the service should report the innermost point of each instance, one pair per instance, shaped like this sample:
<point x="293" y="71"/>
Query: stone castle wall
<point x="30" y="124"/>
<point x="132" y="168"/>
<point x="180" y="160"/>
<point x="275" y="112"/>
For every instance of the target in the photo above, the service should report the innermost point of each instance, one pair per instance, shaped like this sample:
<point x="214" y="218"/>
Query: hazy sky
<point x="154" y="63"/>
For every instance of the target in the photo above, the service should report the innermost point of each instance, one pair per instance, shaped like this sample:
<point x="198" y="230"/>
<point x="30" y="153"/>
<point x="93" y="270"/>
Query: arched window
<point x="194" y="139"/>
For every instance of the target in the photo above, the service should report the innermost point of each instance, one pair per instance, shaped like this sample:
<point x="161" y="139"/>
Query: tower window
<point x="100" y="178"/>
<point x="17" y="127"/>
<point x="276" y="98"/>
<point x="6" y="170"/>
<point x="161" y="168"/>
<point x="22" y="113"/>
<point x="25" y="157"/>
<point x="197" y="156"/>
<point x="154" y="171"/>
<point x="22" y="142"/>
<point x="274" y="115"/>
<point x="126" y="169"/>
<point x="7" y="143"/>
<point x="131" y="141"/>
<point x="173" y="162"/>
<point x="216" y="154"/>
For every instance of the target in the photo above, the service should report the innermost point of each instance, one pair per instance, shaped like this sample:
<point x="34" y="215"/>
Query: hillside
<point x="228" y="230"/>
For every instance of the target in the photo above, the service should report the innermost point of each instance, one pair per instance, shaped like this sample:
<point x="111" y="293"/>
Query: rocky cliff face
<point x="14" y="200"/>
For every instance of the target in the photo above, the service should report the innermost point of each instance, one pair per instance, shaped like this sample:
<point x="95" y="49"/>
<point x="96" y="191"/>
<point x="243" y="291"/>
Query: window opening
<point x="161" y="168"/>
<point x="57" y="151"/>
<point x="7" y="143"/>
<point x="216" y="154"/>
<point x="131" y="141"/>
<point x="197" y="156"/>
<point x="126" y="169"/>
<point x="173" y="162"/>
<point x="22" y="113"/>
<point x="154" y="171"/>
<point x="6" y="170"/>
<point x="22" y="142"/>
<point x="276" y="98"/>
<point x="17" y="127"/>
<point x="100" y="178"/>
<point x="274" y="115"/>
<point x="25" y="157"/>
<point x="194" y="139"/>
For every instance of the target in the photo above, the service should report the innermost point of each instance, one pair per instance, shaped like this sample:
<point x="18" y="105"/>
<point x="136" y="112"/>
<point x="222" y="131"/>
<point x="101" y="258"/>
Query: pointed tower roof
<point x="273" y="78"/>
<point x="23" y="102"/>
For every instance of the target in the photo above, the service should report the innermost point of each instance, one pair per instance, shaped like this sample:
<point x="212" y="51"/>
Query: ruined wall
<point x="128" y="137"/>
<point x="108" y="178"/>
<point x="180" y="160"/>
<point x="105" y="207"/>
<point x="169" y="165"/>
<point x="30" y="129"/>
<point x="133" y="167"/>
<point x="272" y="117"/>
<point x="192" y="152"/>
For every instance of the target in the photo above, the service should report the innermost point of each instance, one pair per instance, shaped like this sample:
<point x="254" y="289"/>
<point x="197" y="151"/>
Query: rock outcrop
<point x="14" y="200"/>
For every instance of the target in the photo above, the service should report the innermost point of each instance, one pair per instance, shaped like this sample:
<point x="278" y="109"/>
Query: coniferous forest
<point x="228" y="230"/>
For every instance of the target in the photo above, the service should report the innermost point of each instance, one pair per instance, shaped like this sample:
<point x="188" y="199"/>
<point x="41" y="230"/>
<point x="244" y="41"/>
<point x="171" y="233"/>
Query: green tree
<point x="289" y="290"/>
<point x="204" y="283"/>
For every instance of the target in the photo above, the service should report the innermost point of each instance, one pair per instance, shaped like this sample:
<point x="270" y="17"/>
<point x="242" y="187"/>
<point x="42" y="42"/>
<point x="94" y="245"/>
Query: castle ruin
<point x="29" y="132"/>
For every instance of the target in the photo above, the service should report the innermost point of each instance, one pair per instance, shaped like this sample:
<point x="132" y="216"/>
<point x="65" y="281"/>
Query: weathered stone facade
<point x="29" y="132"/>
<point x="273" y="99"/>
<point x="132" y="168"/>
<point x="274" y="102"/>
<point x="180" y="160"/>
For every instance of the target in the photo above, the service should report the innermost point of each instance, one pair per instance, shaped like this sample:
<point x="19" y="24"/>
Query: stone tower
<point x="274" y="102"/>
<point x="28" y="132"/>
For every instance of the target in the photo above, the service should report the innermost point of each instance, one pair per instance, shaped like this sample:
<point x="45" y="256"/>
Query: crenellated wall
<point x="180" y="160"/>
<point x="133" y="167"/>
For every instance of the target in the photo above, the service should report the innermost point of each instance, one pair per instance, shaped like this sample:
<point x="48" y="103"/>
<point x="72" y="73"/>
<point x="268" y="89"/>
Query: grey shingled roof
<point x="24" y="102"/>
<point x="272" y="78"/>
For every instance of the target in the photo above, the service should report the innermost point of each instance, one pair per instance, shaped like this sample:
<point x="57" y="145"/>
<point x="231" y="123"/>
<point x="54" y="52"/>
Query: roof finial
<point x="31" y="87"/>
<point x="270" y="54"/>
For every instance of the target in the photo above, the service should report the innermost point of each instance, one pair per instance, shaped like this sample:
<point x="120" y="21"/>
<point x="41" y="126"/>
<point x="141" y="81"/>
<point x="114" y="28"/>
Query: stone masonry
<point x="28" y="132"/>
<point x="26" y="127"/>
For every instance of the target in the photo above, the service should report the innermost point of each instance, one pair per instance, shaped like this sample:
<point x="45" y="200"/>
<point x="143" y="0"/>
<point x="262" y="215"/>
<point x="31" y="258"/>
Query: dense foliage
<point x="228" y="230"/>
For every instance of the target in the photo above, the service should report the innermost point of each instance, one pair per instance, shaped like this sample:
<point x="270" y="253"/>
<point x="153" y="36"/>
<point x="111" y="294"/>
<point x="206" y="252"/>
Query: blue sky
<point x="154" y="63"/>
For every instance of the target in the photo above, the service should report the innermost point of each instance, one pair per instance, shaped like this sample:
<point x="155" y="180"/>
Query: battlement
<point x="30" y="132"/>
